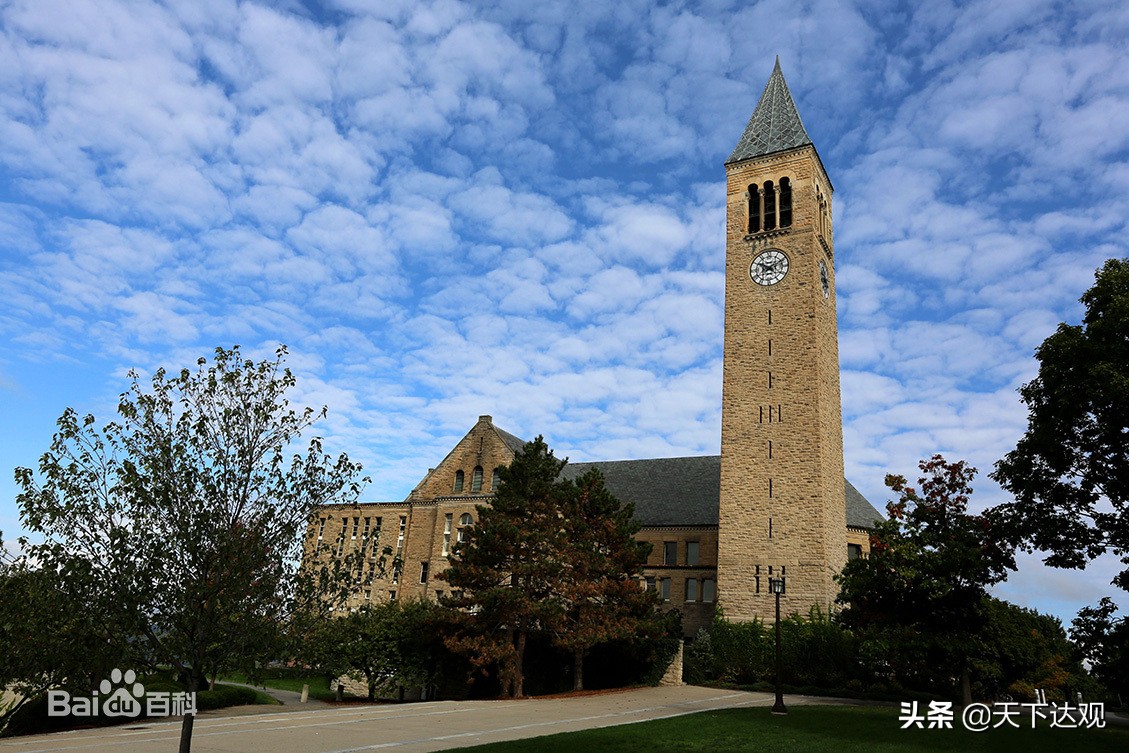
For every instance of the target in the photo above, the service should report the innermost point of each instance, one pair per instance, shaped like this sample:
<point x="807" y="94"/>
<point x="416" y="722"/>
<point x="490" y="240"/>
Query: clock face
<point x="769" y="267"/>
<point x="824" y="280"/>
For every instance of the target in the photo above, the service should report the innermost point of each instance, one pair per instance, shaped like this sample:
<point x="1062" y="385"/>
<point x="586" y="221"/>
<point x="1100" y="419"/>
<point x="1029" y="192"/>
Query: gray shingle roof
<point x="514" y="443"/>
<point x="665" y="491"/>
<point x="860" y="513"/>
<point x="687" y="491"/>
<point x="775" y="124"/>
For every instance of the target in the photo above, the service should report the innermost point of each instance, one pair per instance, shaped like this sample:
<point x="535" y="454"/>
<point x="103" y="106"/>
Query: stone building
<point x="775" y="501"/>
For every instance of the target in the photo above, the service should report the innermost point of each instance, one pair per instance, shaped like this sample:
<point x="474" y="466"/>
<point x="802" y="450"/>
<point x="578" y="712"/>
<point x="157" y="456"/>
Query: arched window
<point x="754" y="208"/>
<point x="785" y="202"/>
<point x="769" y="205"/>
<point x="464" y="522"/>
<point x="458" y="481"/>
<point x="495" y="479"/>
<point x="476" y="480"/>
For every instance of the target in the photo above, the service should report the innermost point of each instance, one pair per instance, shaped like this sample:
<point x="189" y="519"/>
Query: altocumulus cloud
<point x="453" y="208"/>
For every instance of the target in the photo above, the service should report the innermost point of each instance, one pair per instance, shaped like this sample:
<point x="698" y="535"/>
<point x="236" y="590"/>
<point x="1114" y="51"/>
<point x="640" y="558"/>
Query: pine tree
<point x="506" y="575"/>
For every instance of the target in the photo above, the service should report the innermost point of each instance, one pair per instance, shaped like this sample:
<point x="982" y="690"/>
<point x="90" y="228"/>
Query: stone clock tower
<point x="782" y="508"/>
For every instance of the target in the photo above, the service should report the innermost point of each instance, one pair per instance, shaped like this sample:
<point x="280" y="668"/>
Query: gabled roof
<point x="687" y="491"/>
<point x="775" y="125"/>
<point x="860" y="513"/>
<point x="665" y="491"/>
<point x="514" y="443"/>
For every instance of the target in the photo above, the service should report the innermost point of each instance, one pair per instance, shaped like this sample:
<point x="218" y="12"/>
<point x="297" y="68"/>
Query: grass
<point x="289" y="680"/>
<point x="829" y="729"/>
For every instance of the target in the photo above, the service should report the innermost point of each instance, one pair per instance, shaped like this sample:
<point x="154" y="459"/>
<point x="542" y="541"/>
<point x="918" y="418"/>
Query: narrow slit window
<point x="769" y="205"/>
<point x="785" y="202"/>
<point x="754" y="208"/>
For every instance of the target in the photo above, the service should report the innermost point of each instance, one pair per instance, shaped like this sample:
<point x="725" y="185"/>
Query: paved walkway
<point x="292" y="700"/>
<point x="406" y="728"/>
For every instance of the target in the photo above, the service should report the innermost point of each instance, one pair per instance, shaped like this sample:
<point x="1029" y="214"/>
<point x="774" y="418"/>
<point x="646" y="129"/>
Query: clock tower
<point x="782" y="508"/>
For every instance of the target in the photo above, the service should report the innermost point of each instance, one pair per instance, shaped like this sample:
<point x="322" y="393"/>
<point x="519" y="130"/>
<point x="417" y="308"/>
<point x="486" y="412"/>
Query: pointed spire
<point x="775" y="125"/>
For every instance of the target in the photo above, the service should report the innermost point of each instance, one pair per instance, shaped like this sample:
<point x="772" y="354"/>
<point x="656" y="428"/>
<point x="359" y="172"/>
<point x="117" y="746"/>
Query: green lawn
<point x="833" y="729"/>
<point x="288" y="680"/>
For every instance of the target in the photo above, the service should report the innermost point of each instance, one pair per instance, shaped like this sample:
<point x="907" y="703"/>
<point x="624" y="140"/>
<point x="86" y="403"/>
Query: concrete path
<point x="289" y="698"/>
<point x="406" y="728"/>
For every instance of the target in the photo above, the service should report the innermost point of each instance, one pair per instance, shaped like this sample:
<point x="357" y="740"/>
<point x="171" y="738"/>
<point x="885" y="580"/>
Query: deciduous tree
<point x="180" y="522"/>
<point x="1070" y="471"/>
<point x="929" y="566"/>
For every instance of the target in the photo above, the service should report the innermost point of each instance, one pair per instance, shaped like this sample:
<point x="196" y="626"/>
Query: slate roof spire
<point x="775" y="125"/>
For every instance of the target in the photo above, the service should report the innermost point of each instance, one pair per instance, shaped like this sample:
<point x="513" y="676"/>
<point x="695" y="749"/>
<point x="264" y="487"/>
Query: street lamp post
<point x="776" y="586"/>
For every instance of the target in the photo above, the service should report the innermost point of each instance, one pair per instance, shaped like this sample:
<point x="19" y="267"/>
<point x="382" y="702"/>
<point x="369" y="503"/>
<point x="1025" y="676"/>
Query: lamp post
<point x="776" y="586"/>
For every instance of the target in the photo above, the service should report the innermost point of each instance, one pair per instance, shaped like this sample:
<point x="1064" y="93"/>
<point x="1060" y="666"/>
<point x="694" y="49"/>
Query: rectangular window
<point x="341" y="537"/>
<point x="670" y="552"/>
<point x="356" y="526"/>
<point x="368" y="595"/>
<point x="650" y="583"/>
<point x="692" y="551"/>
<point x="392" y="596"/>
<point x="691" y="589"/>
<point x="664" y="585"/>
<point x="400" y="535"/>
<point x="854" y="551"/>
<point x="709" y="590"/>
<point x="447" y="521"/>
<point x="423" y="567"/>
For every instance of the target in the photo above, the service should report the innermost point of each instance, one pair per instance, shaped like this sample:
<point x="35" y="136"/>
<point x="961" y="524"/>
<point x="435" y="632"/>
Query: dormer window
<point x="458" y="481"/>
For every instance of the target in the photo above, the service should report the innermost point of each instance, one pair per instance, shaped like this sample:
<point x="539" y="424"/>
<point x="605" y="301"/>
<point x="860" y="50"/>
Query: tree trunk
<point x="519" y="677"/>
<point x="578" y="669"/>
<point x="965" y="686"/>
<point x="371" y="688"/>
<point x="186" y="725"/>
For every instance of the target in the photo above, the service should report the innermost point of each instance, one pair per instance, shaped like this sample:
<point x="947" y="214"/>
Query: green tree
<point x="929" y="566"/>
<point x="1021" y="650"/>
<point x="1070" y="471"/>
<point x="397" y="643"/>
<point x="49" y="639"/>
<point x="180" y="522"/>
<point x="506" y="575"/>
<point x="599" y="591"/>
<point x="1103" y="640"/>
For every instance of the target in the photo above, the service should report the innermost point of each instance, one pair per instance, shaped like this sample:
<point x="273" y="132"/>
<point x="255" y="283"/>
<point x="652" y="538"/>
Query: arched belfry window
<point x="458" y="481"/>
<point x="769" y="205"/>
<point x="476" y="480"/>
<point x="754" y="208"/>
<point x="785" y="202"/>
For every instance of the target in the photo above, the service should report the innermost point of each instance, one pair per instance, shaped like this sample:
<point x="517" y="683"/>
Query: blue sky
<point x="453" y="208"/>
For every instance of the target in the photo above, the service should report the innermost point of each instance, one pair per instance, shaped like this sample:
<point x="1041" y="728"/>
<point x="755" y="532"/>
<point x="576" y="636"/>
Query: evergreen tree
<point x="600" y="592"/>
<point x="506" y="576"/>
